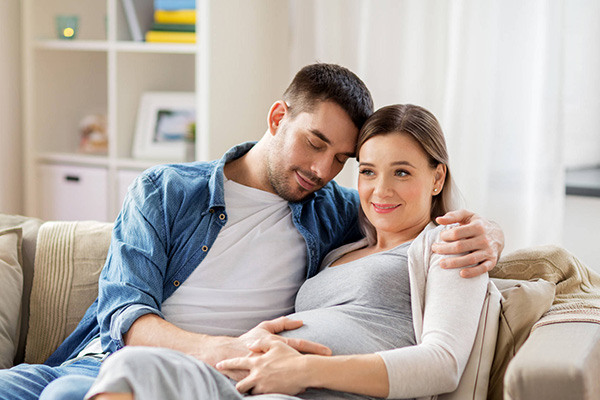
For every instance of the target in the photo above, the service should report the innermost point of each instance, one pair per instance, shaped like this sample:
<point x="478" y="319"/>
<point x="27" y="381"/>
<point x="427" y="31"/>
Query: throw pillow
<point x="523" y="303"/>
<point x="11" y="289"/>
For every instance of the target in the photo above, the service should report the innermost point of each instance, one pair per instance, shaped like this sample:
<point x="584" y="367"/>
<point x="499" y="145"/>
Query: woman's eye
<point x="401" y="173"/>
<point x="366" y="172"/>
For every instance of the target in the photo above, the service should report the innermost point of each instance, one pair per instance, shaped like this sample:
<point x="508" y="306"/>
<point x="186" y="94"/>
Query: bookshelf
<point x="237" y="68"/>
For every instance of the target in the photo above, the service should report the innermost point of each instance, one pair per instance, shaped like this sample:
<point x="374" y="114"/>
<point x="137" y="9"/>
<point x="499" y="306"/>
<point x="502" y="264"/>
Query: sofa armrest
<point x="558" y="361"/>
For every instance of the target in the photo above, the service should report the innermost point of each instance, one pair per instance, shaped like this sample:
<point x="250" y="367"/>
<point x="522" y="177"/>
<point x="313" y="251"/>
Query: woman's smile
<point x="384" y="208"/>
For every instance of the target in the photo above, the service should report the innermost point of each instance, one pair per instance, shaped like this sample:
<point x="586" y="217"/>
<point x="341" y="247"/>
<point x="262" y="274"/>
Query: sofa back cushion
<point x="523" y="304"/>
<point x="30" y="227"/>
<point x="11" y="289"/>
<point x="69" y="258"/>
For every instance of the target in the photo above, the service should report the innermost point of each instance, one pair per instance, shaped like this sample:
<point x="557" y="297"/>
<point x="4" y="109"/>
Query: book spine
<point x="173" y="5"/>
<point x="170" y="37"/>
<point x="174" y="27"/>
<point x="175" y="17"/>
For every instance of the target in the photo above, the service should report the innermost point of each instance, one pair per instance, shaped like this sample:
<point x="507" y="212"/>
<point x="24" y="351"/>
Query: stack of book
<point x="174" y="22"/>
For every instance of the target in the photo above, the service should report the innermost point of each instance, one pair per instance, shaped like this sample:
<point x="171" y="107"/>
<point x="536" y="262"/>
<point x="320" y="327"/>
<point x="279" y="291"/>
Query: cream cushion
<point x="523" y="304"/>
<point x="11" y="290"/>
<point x="70" y="257"/>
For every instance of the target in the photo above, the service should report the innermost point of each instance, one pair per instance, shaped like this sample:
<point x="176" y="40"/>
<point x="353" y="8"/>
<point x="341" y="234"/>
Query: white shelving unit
<point x="237" y="68"/>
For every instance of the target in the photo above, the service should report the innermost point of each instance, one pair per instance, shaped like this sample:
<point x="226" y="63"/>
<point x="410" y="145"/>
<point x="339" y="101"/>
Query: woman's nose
<point x="383" y="187"/>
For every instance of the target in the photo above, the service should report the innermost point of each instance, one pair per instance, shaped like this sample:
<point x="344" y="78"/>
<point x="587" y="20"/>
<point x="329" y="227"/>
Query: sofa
<point x="545" y="334"/>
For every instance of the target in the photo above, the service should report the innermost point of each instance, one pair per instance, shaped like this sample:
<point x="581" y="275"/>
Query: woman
<point x="399" y="325"/>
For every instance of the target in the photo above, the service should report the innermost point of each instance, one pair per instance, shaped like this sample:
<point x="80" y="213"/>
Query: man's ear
<point x="276" y="114"/>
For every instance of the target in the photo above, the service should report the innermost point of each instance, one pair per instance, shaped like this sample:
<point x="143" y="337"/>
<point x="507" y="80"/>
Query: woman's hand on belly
<point x="282" y="369"/>
<point x="279" y="369"/>
<point x="266" y="332"/>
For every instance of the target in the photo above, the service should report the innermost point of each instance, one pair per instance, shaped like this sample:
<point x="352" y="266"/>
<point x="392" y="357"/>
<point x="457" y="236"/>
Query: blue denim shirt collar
<point x="215" y="183"/>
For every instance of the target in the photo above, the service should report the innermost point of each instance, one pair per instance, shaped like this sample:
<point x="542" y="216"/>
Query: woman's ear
<point x="439" y="179"/>
<point x="276" y="114"/>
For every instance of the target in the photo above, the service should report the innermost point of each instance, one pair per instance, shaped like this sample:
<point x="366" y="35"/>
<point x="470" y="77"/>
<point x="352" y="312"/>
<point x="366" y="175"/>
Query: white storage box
<point x="70" y="193"/>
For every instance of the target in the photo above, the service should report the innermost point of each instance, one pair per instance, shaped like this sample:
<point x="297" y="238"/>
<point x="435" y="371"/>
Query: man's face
<point x="310" y="150"/>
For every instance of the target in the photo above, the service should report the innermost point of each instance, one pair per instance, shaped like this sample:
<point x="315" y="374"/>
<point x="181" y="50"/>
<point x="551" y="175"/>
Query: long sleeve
<point x="131" y="284"/>
<point x="451" y="311"/>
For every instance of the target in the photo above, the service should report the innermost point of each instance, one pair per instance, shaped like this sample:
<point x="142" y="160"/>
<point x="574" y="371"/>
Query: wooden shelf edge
<point x="73" y="158"/>
<point x="143" y="47"/>
<point x="72" y="45"/>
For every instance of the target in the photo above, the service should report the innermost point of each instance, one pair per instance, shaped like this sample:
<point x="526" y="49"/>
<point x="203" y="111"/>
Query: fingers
<point x="462" y="246"/>
<point x="264" y="345"/>
<point x="473" y="229"/>
<point x="476" y="270"/>
<point x="454" y="217"/>
<point x="466" y="260"/>
<point x="235" y="374"/>
<point x="245" y="385"/>
<point x="301" y="345"/>
<point x="235" y="363"/>
<point x="280" y="324"/>
<point x="306" y="346"/>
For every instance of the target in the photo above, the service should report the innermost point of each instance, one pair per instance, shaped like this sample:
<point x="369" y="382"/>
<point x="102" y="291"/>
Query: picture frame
<point x="164" y="124"/>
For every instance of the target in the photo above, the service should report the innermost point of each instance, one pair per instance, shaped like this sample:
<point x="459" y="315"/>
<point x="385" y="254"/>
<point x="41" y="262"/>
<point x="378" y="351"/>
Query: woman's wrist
<point x="314" y="370"/>
<point x="362" y="374"/>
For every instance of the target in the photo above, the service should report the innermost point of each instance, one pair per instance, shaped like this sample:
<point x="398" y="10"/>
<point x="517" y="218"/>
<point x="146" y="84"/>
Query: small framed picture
<point x="165" y="126"/>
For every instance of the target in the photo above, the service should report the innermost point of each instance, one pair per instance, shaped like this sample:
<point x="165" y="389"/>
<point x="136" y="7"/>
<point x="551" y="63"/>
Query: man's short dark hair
<point x="320" y="82"/>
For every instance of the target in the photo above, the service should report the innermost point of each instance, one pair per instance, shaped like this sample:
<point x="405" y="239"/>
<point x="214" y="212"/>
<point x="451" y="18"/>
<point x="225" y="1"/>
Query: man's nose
<point x="322" y="168"/>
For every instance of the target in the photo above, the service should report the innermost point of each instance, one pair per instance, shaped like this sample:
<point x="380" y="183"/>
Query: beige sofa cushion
<point x="30" y="228"/>
<point x="11" y="289"/>
<point x="69" y="258"/>
<point x="523" y="303"/>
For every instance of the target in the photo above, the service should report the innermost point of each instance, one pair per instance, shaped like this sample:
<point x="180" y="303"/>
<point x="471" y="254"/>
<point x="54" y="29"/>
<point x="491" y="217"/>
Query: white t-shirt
<point x="251" y="273"/>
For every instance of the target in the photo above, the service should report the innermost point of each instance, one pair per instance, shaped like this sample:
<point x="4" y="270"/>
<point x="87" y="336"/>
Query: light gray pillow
<point x="11" y="289"/>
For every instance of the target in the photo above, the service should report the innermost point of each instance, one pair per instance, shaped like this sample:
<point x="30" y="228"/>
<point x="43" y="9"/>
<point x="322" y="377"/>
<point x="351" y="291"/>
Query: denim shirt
<point x="170" y="218"/>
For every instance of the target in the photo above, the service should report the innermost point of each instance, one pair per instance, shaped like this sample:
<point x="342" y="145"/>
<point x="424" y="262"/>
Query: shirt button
<point x="222" y="217"/>
<point x="176" y="283"/>
<point x="205" y="248"/>
<point x="212" y="211"/>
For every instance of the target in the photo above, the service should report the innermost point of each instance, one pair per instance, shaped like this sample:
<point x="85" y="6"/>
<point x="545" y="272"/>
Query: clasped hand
<point x="260" y="340"/>
<point x="275" y="367"/>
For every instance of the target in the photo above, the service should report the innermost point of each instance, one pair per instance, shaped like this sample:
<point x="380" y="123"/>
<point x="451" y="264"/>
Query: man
<point x="203" y="252"/>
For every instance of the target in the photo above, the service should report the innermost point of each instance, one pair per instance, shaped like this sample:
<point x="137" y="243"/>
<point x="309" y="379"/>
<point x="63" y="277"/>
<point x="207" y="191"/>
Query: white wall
<point x="11" y="187"/>
<point x="582" y="84"/>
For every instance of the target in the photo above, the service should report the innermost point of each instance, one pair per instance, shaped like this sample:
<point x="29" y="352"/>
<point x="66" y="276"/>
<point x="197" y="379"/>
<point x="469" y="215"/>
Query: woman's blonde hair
<point x="422" y="125"/>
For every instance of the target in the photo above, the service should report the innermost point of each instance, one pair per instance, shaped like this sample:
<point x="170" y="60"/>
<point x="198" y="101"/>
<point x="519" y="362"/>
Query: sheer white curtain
<point x="491" y="71"/>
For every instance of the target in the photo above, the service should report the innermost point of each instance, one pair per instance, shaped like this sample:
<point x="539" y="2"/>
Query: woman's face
<point x="396" y="184"/>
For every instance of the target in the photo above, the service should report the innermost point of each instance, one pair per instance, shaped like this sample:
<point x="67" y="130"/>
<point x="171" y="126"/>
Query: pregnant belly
<point x="350" y="331"/>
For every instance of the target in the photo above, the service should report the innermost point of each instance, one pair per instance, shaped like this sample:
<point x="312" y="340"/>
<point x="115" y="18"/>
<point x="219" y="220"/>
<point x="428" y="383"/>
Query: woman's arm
<point x="452" y="308"/>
